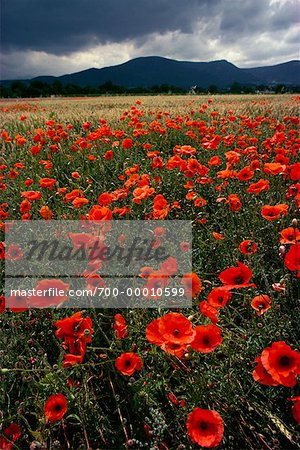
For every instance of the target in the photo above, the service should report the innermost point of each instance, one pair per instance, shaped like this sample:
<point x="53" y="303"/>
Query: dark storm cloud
<point x="63" y="36"/>
<point x="62" y="26"/>
<point x="249" y="17"/>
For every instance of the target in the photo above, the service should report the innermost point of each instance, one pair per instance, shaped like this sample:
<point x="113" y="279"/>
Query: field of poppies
<point x="223" y="373"/>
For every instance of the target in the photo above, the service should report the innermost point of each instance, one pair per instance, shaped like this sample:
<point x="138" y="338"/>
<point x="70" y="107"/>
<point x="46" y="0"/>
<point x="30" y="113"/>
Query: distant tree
<point x="18" y="88"/>
<point x="57" y="88"/>
<point x="236" y="88"/>
<point x="213" y="89"/>
<point x="280" y="89"/>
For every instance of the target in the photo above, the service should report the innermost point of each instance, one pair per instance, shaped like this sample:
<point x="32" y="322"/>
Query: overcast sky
<point x="55" y="37"/>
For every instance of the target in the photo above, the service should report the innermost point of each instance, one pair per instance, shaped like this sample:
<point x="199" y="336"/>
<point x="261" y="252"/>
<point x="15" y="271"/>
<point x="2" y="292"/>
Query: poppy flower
<point x="218" y="297"/>
<point x="185" y="246"/>
<point x="261" y="186"/>
<point x="74" y="326"/>
<point x="209" y="311"/>
<point x="14" y="252"/>
<point x="10" y="435"/>
<point x="2" y="304"/>
<point x="55" y="407"/>
<point x="296" y="409"/>
<point x="205" y="427"/>
<point x="17" y="303"/>
<point x="120" y="327"/>
<point x="236" y="277"/>
<point x="294" y="172"/>
<point x="100" y="213"/>
<point x="261" y="375"/>
<point x="169" y="266"/>
<point x="153" y="333"/>
<point x="105" y="199"/>
<point x="192" y="284"/>
<point x="290" y="235"/>
<point x="274" y="168"/>
<point x="261" y="303"/>
<point x="25" y="206"/>
<point x="46" y="212"/>
<point x="292" y="259"/>
<point x="78" y="202"/>
<point x="47" y="183"/>
<point x="128" y="363"/>
<point x="31" y="195"/>
<point x="282" y="363"/>
<point x="234" y="202"/>
<point x="176" y="328"/>
<point x="53" y="291"/>
<point x="207" y="338"/>
<point x="245" y="174"/>
<point x="127" y="143"/>
<point x="156" y="281"/>
<point x="273" y="212"/>
<point x="247" y="247"/>
<point x="217" y="236"/>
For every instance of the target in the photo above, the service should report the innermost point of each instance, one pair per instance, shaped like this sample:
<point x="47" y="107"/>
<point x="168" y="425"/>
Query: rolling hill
<point x="154" y="70"/>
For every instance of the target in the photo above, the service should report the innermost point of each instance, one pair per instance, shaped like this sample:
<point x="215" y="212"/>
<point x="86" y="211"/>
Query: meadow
<point x="223" y="373"/>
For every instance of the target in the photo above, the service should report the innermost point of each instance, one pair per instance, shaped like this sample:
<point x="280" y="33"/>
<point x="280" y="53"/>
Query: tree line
<point x="38" y="88"/>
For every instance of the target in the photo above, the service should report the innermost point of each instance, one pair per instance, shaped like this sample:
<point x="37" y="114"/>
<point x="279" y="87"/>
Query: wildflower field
<point x="223" y="373"/>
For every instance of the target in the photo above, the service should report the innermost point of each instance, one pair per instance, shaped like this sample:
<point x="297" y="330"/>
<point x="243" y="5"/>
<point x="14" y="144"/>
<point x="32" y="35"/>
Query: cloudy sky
<point x="54" y="37"/>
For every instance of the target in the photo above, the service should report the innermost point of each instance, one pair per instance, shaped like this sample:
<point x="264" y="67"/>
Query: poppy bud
<point x="281" y="251"/>
<point x="295" y="223"/>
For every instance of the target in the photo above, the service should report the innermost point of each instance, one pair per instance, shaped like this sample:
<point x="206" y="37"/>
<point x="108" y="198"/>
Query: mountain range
<point x="154" y="70"/>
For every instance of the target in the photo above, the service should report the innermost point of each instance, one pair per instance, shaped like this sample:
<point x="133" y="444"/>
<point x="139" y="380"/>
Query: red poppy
<point x="17" y="303"/>
<point x="292" y="259"/>
<point x="245" y="174"/>
<point x="74" y="326"/>
<point x="209" y="311"/>
<point x="192" y="284"/>
<point x="261" y="375"/>
<point x="120" y="326"/>
<point x="46" y="212"/>
<point x="78" y="202"/>
<point x="47" y="182"/>
<point x="208" y="337"/>
<point x="234" y="202"/>
<point x="176" y="328"/>
<point x="261" y="186"/>
<point x="2" y="304"/>
<point x="218" y="297"/>
<point x="14" y="252"/>
<point x="128" y="363"/>
<point x="274" y="168"/>
<point x="25" y="206"/>
<point x="273" y="212"/>
<point x="55" y="407"/>
<point x="217" y="236"/>
<point x="10" y="435"/>
<point x="296" y="409"/>
<point x="205" y="427"/>
<point x="261" y="303"/>
<point x="247" y="247"/>
<point x="31" y="195"/>
<point x="53" y="292"/>
<point x="169" y="266"/>
<point x="294" y="172"/>
<point x="282" y="363"/>
<point x="236" y="277"/>
<point x="153" y="333"/>
<point x="100" y="213"/>
<point x="290" y="235"/>
<point x="127" y="143"/>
